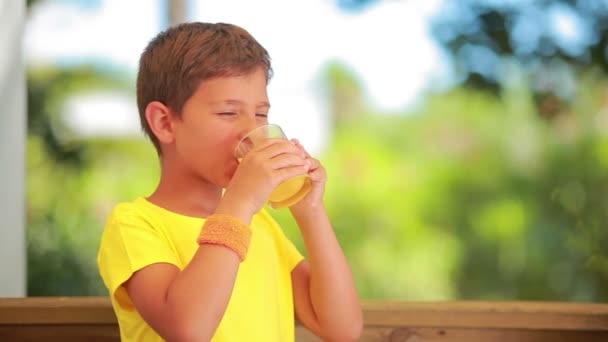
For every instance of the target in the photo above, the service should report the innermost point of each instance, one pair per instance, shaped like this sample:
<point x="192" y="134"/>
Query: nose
<point x="248" y="126"/>
<point x="242" y="144"/>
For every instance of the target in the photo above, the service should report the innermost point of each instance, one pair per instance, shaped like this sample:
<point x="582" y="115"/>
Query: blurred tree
<point x="59" y="248"/>
<point x="72" y="181"/>
<point x="552" y="41"/>
<point x="345" y="96"/>
<point x="517" y="197"/>
<point x="472" y="197"/>
<point x="526" y="203"/>
<point x="353" y="5"/>
<point x="48" y="89"/>
<point x="30" y="3"/>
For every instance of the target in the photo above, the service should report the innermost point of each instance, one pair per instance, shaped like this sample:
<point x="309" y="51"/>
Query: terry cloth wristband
<point x="227" y="231"/>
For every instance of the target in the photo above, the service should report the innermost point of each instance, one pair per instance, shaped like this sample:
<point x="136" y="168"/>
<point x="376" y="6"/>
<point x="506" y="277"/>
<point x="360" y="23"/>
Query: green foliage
<point x="71" y="183"/>
<point x="480" y="34"/>
<point x="473" y="197"/>
<point x="67" y="208"/>
<point x="48" y="89"/>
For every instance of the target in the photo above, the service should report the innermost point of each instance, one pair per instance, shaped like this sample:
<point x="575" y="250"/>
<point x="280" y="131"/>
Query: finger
<point x="300" y="146"/>
<point x="278" y="147"/>
<point x="318" y="175"/>
<point x="291" y="171"/>
<point x="248" y="147"/>
<point x="316" y="171"/>
<point x="314" y="163"/>
<point x="288" y="160"/>
<point x="261" y="146"/>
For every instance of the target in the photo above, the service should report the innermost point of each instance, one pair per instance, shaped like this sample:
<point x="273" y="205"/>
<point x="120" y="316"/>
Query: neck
<point x="184" y="193"/>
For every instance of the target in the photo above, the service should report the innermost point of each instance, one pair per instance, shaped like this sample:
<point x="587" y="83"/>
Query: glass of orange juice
<point x="288" y="192"/>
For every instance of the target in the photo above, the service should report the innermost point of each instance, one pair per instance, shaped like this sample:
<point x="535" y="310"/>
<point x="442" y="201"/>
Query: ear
<point x="160" y="120"/>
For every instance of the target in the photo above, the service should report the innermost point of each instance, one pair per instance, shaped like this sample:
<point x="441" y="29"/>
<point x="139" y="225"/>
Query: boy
<point x="190" y="264"/>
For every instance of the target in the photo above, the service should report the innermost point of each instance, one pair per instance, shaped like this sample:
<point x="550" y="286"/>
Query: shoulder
<point x="286" y="249"/>
<point x="133" y="228"/>
<point x="131" y="218"/>
<point x="265" y="220"/>
<point x="131" y="212"/>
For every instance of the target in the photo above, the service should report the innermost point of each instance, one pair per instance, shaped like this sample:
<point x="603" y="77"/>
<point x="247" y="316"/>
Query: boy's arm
<point x="188" y="305"/>
<point x="325" y="297"/>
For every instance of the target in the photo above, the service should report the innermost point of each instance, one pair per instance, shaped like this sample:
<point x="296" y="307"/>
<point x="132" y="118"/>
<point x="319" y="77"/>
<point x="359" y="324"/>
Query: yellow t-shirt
<point x="139" y="233"/>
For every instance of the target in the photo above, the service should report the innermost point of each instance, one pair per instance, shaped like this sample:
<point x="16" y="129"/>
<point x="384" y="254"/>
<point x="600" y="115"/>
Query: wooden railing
<point x="91" y="319"/>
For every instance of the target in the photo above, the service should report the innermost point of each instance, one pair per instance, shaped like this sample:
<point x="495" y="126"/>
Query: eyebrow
<point x="238" y="102"/>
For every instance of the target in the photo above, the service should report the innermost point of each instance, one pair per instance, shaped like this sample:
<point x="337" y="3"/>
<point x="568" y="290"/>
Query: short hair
<point x="178" y="59"/>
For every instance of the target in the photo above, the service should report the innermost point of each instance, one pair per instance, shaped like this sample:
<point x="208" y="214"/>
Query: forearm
<point x="199" y="295"/>
<point x="197" y="298"/>
<point x="332" y="288"/>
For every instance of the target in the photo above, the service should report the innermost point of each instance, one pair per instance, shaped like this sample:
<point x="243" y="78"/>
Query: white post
<point x="12" y="150"/>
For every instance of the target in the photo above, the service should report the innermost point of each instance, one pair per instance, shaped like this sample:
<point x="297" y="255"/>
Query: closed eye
<point x="227" y="113"/>
<point x="262" y="115"/>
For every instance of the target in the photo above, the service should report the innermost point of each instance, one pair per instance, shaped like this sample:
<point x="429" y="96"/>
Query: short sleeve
<point x="130" y="241"/>
<point x="290" y="253"/>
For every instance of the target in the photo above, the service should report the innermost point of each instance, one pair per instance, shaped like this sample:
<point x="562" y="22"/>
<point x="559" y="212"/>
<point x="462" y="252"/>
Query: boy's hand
<point x="318" y="176"/>
<point x="259" y="172"/>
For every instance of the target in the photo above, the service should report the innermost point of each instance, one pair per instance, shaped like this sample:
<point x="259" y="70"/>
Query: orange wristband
<point x="227" y="231"/>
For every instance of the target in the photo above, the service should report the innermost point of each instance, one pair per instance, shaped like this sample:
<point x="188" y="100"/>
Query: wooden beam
<point x="92" y="319"/>
<point x="488" y="314"/>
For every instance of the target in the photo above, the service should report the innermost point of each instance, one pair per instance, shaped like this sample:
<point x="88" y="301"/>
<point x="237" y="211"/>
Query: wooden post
<point x="177" y="11"/>
<point x="12" y="150"/>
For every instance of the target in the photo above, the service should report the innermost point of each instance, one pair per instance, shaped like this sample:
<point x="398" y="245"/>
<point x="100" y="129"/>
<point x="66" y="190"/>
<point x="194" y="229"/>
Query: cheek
<point x="229" y="159"/>
<point x="226" y="143"/>
<point x="211" y="150"/>
<point x="188" y="145"/>
<point x="218" y="154"/>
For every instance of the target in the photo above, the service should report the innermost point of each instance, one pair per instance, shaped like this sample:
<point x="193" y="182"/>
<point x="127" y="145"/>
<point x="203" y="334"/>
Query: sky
<point x="387" y="45"/>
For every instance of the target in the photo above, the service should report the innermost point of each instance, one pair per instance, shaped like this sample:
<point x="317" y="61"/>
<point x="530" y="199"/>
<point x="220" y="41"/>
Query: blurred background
<point x="466" y="141"/>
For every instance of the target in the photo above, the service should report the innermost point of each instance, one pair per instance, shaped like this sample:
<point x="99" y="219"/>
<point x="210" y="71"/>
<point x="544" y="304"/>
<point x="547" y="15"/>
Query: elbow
<point x="349" y="328"/>
<point x="351" y="332"/>
<point x="345" y="336"/>
<point x="190" y="330"/>
<point x="354" y="330"/>
<point x="189" y="324"/>
<point x="187" y="333"/>
<point x="357" y="331"/>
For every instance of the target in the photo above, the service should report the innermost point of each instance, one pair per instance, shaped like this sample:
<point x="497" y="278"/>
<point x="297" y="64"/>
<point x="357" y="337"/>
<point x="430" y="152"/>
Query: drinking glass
<point x="288" y="192"/>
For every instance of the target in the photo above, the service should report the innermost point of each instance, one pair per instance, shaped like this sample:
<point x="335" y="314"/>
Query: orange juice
<point x="290" y="192"/>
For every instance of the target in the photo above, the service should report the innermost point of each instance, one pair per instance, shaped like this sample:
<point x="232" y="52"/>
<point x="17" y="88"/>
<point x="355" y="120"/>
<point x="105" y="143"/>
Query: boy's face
<point x="219" y="113"/>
